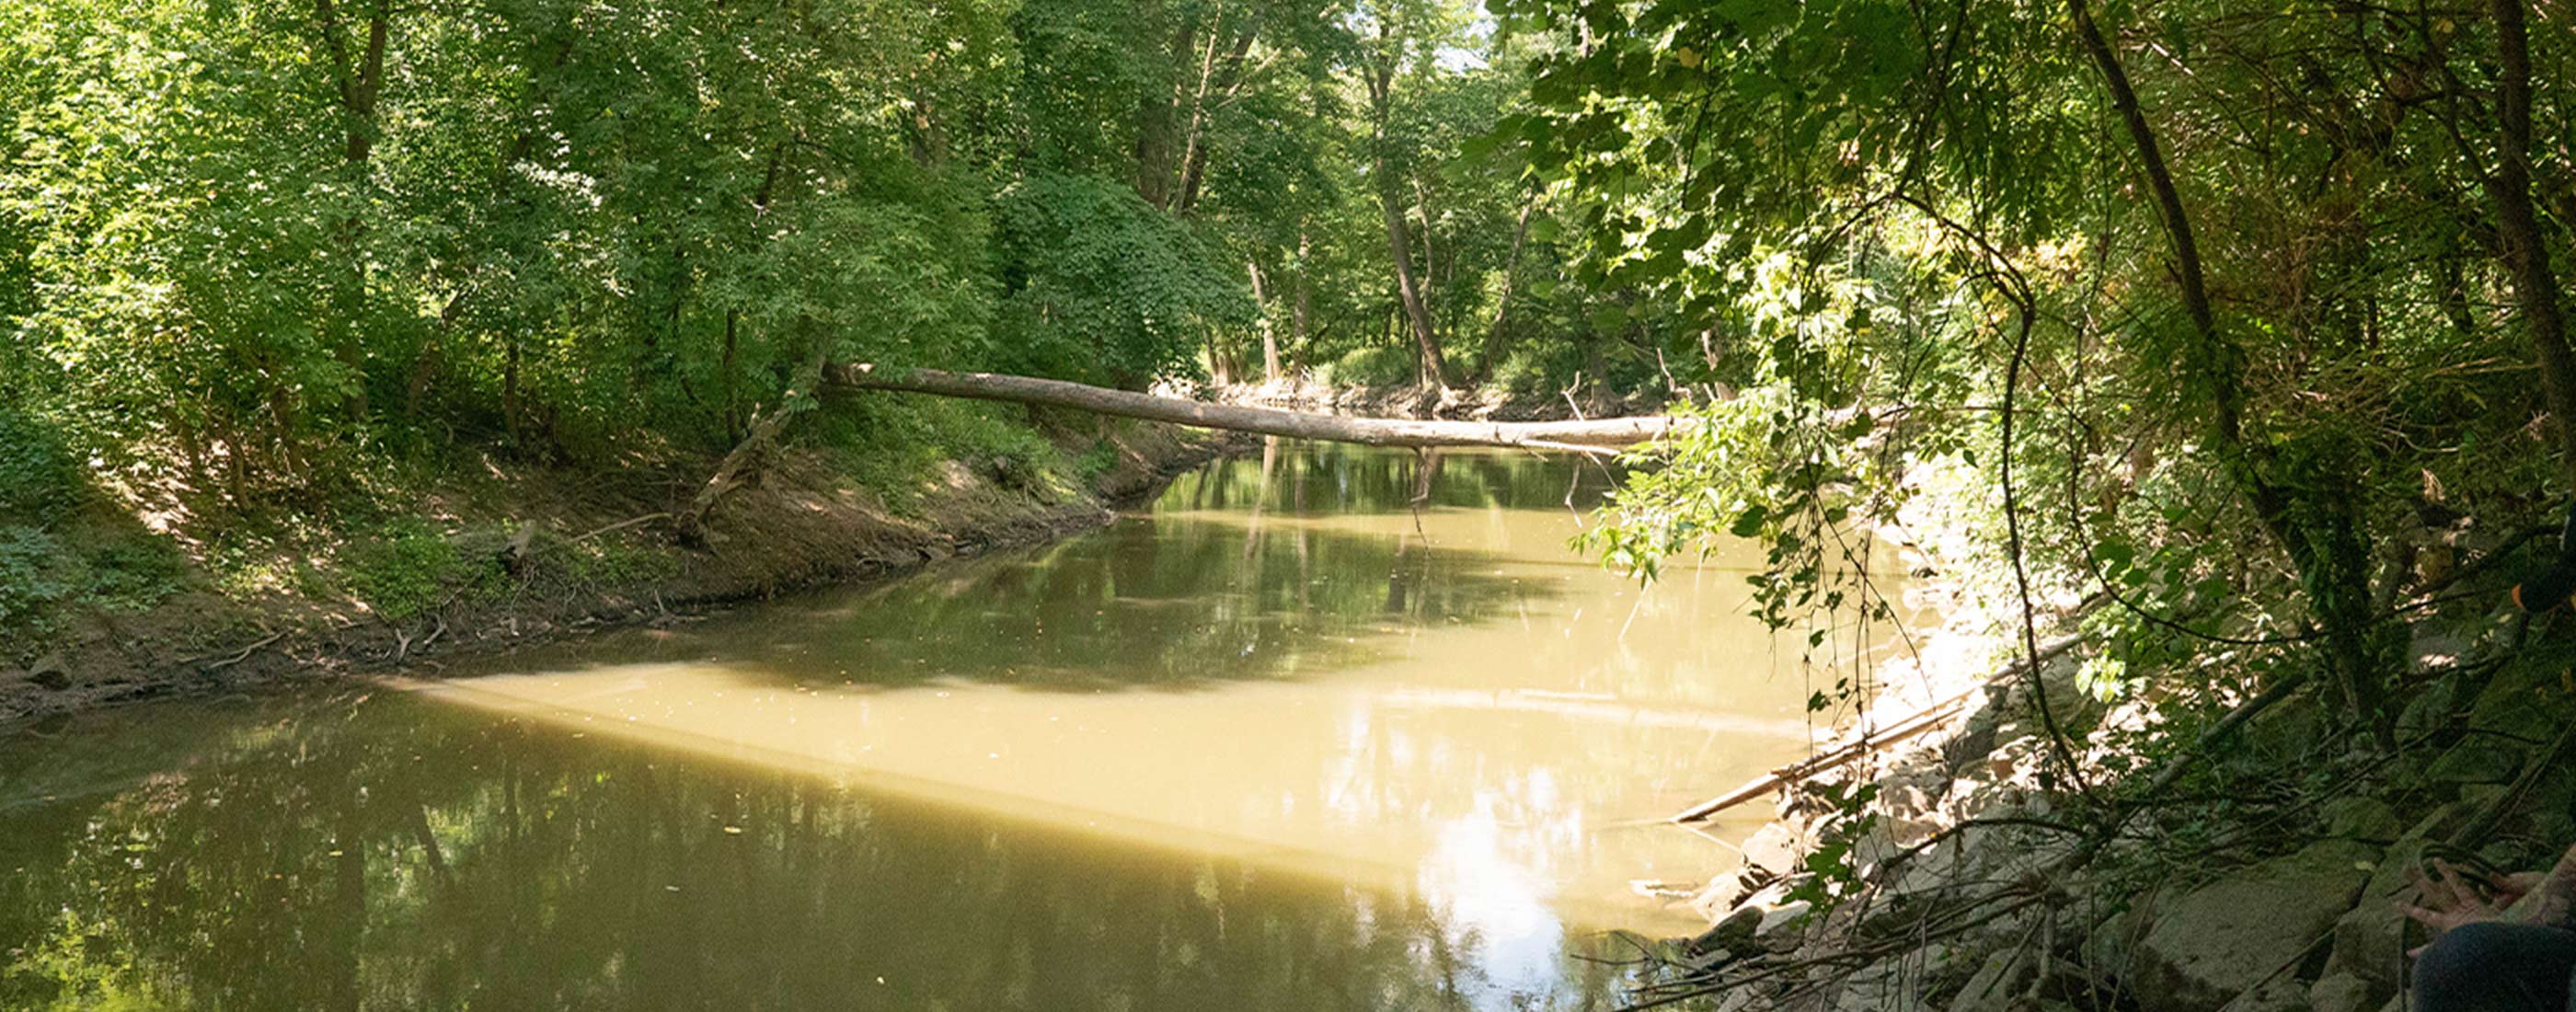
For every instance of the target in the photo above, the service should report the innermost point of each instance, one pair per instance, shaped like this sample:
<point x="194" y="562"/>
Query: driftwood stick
<point x="1862" y="743"/>
<point x="1830" y="759"/>
<point x="246" y="652"/>
<point x="622" y="525"/>
<point x="2492" y="815"/>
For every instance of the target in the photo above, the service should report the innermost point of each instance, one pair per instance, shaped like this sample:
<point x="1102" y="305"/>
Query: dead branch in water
<point x="1863" y="742"/>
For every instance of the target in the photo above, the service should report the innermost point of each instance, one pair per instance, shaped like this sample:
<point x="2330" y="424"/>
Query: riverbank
<point x="520" y="555"/>
<point x="2240" y="858"/>
<point x="506" y="554"/>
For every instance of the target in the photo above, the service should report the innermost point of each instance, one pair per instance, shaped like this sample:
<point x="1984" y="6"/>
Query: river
<point x="1320" y="728"/>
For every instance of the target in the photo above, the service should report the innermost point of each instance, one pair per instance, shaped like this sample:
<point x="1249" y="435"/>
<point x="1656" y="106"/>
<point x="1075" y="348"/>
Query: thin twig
<point x="246" y="652"/>
<point x="622" y="525"/>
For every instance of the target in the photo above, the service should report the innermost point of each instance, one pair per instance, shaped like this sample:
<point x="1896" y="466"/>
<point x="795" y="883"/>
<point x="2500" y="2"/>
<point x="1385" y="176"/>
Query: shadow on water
<point x="391" y="853"/>
<point x="1189" y="595"/>
<point x="1165" y="604"/>
<point x="1403" y="760"/>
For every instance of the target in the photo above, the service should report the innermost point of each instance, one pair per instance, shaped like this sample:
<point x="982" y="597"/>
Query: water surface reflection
<point x="1284" y="740"/>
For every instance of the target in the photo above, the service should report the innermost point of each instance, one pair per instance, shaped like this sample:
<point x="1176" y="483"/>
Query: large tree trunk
<point x="2524" y="249"/>
<point x="1597" y="436"/>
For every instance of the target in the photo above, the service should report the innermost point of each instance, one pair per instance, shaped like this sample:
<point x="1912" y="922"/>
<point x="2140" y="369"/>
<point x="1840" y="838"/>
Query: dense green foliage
<point x="275" y="274"/>
<point x="246" y="248"/>
<point x="2251" y="362"/>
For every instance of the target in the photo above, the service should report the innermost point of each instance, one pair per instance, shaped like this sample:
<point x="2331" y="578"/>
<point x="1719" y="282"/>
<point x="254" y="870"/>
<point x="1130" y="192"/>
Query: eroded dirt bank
<point x="537" y="555"/>
<point x="523" y="554"/>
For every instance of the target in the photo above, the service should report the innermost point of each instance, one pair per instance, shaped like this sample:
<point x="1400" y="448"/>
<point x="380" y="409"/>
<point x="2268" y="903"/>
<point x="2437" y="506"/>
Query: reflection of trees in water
<point x="1169" y="603"/>
<point x="1331" y="479"/>
<point x="406" y="856"/>
<point x="1172" y="601"/>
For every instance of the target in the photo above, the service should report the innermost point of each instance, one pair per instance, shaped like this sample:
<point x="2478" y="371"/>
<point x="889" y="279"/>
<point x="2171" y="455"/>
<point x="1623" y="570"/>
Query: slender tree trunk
<point x="1303" y="312"/>
<point x="1216" y="77"/>
<point x="1220" y="368"/>
<point x="1408" y="289"/>
<point x="426" y="362"/>
<point x="1269" y="332"/>
<point x="929" y="140"/>
<point x="2317" y="528"/>
<point x="1491" y="354"/>
<point x="1158" y="128"/>
<point x="726" y="385"/>
<point x="510" y="409"/>
<point x="359" y="80"/>
<point x="2454" y="295"/>
<point x="1426" y="338"/>
<point x="731" y="384"/>
<point x="1432" y="276"/>
<point x="2524" y="247"/>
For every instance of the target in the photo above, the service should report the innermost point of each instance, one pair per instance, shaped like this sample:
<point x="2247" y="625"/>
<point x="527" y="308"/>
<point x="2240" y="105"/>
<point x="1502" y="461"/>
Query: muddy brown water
<point x="1282" y="740"/>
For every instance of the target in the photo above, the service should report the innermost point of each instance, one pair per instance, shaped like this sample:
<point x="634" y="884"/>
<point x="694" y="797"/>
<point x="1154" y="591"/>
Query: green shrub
<point x="1382" y="366"/>
<point x="132" y="574"/>
<point x="1104" y="286"/>
<point x="892" y="447"/>
<point x="601" y="564"/>
<point x="31" y="576"/>
<point x="1520" y="372"/>
<point x="405" y="571"/>
<point x="1097" y="460"/>
<point x="39" y="478"/>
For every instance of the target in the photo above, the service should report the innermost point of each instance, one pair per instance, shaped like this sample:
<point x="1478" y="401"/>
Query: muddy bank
<point x="534" y="555"/>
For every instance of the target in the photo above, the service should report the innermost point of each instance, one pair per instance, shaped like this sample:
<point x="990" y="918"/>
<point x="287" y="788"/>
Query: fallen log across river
<point x="1602" y="436"/>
